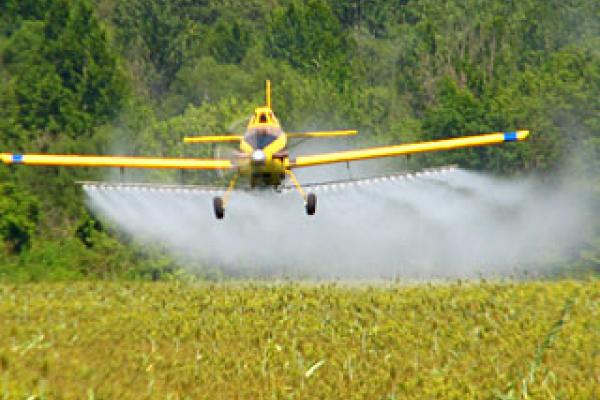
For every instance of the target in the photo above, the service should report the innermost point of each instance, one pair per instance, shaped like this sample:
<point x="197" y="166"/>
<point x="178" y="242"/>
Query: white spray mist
<point x="456" y="224"/>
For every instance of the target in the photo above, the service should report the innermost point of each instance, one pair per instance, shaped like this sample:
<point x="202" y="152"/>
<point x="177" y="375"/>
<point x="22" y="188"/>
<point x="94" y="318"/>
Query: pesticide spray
<point x="447" y="224"/>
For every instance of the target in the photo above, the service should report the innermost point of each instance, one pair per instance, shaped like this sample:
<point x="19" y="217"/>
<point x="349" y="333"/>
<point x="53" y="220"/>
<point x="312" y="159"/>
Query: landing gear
<point x="219" y="203"/>
<point x="311" y="204"/>
<point x="218" y="206"/>
<point x="310" y="199"/>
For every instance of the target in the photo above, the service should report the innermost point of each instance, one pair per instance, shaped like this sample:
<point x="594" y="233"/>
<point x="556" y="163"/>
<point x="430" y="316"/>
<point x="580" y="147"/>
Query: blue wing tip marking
<point x="17" y="158"/>
<point x="510" y="136"/>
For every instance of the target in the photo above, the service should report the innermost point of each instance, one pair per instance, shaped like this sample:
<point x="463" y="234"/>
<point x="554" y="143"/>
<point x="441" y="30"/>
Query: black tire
<point x="311" y="204"/>
<point x="218" y="206"/>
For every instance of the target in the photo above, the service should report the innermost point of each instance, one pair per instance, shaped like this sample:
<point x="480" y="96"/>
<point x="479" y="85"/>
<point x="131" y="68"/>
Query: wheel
<point x="311" y="204"/>
<point x="218" y="206"/>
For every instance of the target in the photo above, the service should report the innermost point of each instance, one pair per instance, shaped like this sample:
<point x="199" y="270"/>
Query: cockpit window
<point x="259" y="139"/>
<point x="263" y="118"/>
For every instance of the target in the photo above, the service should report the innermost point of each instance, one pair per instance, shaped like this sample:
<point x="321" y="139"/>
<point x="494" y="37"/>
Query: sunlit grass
<point x="173" y="340"/>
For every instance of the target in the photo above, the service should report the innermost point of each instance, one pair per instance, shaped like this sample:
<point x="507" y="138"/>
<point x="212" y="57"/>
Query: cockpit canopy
<point x="260" y="137"/>
<point x="263" y="128"/>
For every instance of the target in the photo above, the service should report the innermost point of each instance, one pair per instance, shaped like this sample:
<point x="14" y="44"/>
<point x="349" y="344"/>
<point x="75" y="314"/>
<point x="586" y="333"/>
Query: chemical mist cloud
<point x="453" y="224"/>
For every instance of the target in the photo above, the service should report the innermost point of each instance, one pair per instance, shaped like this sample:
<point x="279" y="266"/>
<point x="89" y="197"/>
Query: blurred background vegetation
<point x="133" y="77"/>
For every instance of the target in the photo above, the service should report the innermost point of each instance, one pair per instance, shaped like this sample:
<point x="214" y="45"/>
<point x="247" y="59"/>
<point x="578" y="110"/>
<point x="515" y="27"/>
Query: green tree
<point x="230" y="41"/>
<point x="62" y="72"/>
<point x="458" y="112"/>
<point x="19" y="215"/>
<point x="309" y="37"/>
<point x="14" y="12"/>
<point x="153" y="37"/>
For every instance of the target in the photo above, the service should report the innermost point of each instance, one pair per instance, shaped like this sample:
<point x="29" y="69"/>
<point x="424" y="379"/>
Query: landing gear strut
<point x="310" y="199"/>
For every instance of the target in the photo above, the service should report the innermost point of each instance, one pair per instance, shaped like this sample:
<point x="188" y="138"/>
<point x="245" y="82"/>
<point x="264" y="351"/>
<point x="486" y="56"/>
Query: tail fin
<point x="268" y="93"/>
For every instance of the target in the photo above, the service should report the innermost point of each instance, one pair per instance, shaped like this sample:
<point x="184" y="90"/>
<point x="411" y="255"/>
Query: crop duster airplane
<point x="263" y="157"/>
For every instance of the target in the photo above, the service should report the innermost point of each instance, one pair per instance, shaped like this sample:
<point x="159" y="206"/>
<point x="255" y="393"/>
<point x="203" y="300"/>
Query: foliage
<point x="230" y="41"/>
<point x="255" y="340"/>
<point x="14" y="12"/>
<point x="19" y="215"/>
<point x="310" y="38"/>
<point x="62" y="75"/>
<point x="153" y="34"/>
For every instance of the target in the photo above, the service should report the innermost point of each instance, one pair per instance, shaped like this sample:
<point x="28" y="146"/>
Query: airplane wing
<point x="115" y="161"/>
<point x="320" y="134"/>
<point x="409" y="148"/>
<point x="212" y="139"/>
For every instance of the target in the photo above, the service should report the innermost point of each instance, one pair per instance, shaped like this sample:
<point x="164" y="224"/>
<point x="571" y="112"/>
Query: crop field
<point x="173" y="340"/>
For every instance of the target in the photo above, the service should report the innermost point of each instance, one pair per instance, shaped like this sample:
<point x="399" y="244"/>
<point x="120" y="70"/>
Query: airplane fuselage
<point x="264" y="150"/>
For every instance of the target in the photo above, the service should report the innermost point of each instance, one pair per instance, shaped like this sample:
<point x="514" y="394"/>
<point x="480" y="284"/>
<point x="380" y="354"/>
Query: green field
<point x="177" y="340"/>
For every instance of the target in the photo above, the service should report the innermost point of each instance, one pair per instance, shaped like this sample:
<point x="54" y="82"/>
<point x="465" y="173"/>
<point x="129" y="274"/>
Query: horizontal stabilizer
<point x="212" y="139"/>
<point x="321" y="134"/>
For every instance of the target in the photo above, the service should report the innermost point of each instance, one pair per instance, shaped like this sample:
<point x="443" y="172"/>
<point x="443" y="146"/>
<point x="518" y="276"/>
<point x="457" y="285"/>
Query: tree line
<point x="108" y="76"/>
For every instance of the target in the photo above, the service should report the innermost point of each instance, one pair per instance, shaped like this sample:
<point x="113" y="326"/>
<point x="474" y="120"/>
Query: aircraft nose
<point x="258" y="156"/>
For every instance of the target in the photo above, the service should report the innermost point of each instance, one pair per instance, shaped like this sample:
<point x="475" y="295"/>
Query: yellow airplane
<point x="263" y="156"/>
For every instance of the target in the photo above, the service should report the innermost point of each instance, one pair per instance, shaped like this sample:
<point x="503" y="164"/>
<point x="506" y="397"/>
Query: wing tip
<point x="11" y="158"/>
<point x="516" y="136"/>
<point x="522" y="134"/>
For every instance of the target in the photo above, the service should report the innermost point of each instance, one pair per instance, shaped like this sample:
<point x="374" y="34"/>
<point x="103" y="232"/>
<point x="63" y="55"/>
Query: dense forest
<point x="134" y="77"/>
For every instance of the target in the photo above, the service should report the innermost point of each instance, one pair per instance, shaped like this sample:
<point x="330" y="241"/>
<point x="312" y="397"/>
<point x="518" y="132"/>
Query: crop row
<point x="255" y="340"/>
